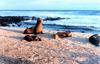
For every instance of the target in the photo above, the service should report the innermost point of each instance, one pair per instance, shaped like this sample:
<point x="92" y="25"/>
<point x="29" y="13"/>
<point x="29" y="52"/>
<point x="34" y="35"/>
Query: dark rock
<point x="19" y="24"/>
<point x="34" y="18"/>
<point x="52" y="19"/>
<point x="6" y="20"/>
<point x="13" y="25"/>
<point x="4" y="24"/>
<point x="95" y="39"/>
<point x="32" y="38"/>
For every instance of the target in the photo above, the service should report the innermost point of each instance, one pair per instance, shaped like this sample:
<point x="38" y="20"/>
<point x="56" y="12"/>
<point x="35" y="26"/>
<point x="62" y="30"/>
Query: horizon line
<point x="41" y="10"/>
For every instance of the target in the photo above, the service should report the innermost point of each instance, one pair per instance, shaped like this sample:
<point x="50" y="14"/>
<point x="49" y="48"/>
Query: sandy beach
<point x="70" y="50"/>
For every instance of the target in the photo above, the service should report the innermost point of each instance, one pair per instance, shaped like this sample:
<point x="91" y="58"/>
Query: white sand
<point x="71" y="50"/>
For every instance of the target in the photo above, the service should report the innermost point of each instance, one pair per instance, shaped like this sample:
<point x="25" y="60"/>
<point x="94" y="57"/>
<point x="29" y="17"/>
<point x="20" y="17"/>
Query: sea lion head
<point x="39" y="20"/>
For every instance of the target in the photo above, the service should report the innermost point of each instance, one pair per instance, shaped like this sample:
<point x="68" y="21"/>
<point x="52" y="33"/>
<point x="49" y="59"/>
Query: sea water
<point x="79" y="20"/>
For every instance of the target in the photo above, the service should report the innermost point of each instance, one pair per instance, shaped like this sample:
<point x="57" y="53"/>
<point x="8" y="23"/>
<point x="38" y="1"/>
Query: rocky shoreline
<point x="6" y="20"/>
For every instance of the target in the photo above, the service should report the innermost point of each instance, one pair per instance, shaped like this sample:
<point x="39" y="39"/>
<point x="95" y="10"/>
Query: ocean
<point x="76" y="20"/>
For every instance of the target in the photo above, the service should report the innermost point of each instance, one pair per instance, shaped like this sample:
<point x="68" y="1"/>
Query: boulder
<point x="53" y="19"/>
<point x="95" y="39"/>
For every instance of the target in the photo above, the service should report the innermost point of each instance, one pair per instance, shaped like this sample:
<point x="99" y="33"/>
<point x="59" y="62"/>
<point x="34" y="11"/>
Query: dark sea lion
<point x="28" y="38"/>
<point x="38" y="28"/>
<point x="95" y="39"/>
<point x="32" y="38"/>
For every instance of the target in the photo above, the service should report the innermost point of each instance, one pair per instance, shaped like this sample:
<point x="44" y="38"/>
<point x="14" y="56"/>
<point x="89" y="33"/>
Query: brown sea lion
<point x="35" y="30"/>
<point x="62" y="35"/>
<point x="38" y="28"/>
<point x="55" y="36"/>
<point x="29" y="31"/>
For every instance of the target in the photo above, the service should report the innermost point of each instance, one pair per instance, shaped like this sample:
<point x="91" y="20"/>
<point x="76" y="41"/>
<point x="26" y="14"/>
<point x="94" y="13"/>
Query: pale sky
<point x="50" y="4"/>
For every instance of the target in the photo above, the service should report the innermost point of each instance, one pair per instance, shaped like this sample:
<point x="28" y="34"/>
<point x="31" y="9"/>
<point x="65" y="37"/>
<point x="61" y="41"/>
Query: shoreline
<point x="82" y="29"/>
<point x="58" y="23"/>
<point x="70" y="50"/>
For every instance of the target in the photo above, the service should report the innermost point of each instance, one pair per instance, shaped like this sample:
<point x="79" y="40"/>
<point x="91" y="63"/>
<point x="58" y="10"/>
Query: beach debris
<point x="95" y="39"/>
<point x="62" y="35"/>
<point x="32" y="38"/>
<point x="29" y="31"/>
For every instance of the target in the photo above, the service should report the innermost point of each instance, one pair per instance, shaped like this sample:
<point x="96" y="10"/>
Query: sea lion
<point x="35" y="30"/>
<point x="55" y="36"/>
<point x="38" y="28"/>
<point x="95" y="39"/>
<point x="29" y="31"/>
<point x="64" y="34"/>
<point x="32" y="38"/>
<point x="28" y="38"/>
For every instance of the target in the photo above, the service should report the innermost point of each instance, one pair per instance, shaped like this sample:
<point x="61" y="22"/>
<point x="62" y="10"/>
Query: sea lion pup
<point x="38" y="28"/>
<point x="62" y="35"/>
<point x="95" y="39"/>
<point x="29" y="30"/>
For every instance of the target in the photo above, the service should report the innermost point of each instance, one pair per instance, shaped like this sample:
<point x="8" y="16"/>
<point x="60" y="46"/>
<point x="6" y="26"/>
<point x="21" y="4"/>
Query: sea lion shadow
<point x="17" y="37"/>
<point x="46" y="35"/>
<point x="10" y="60"/>
<point x="93" y="59"/>
<point x="85" y="57"/>
<point x="79" y="39"/>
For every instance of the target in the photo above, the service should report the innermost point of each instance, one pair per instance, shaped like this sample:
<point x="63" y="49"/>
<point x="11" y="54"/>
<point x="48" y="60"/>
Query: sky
<point x="50" y="4"/>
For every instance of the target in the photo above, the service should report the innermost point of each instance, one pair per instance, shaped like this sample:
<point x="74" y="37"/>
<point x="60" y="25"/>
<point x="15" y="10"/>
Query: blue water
<point x="80" y="20"/>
